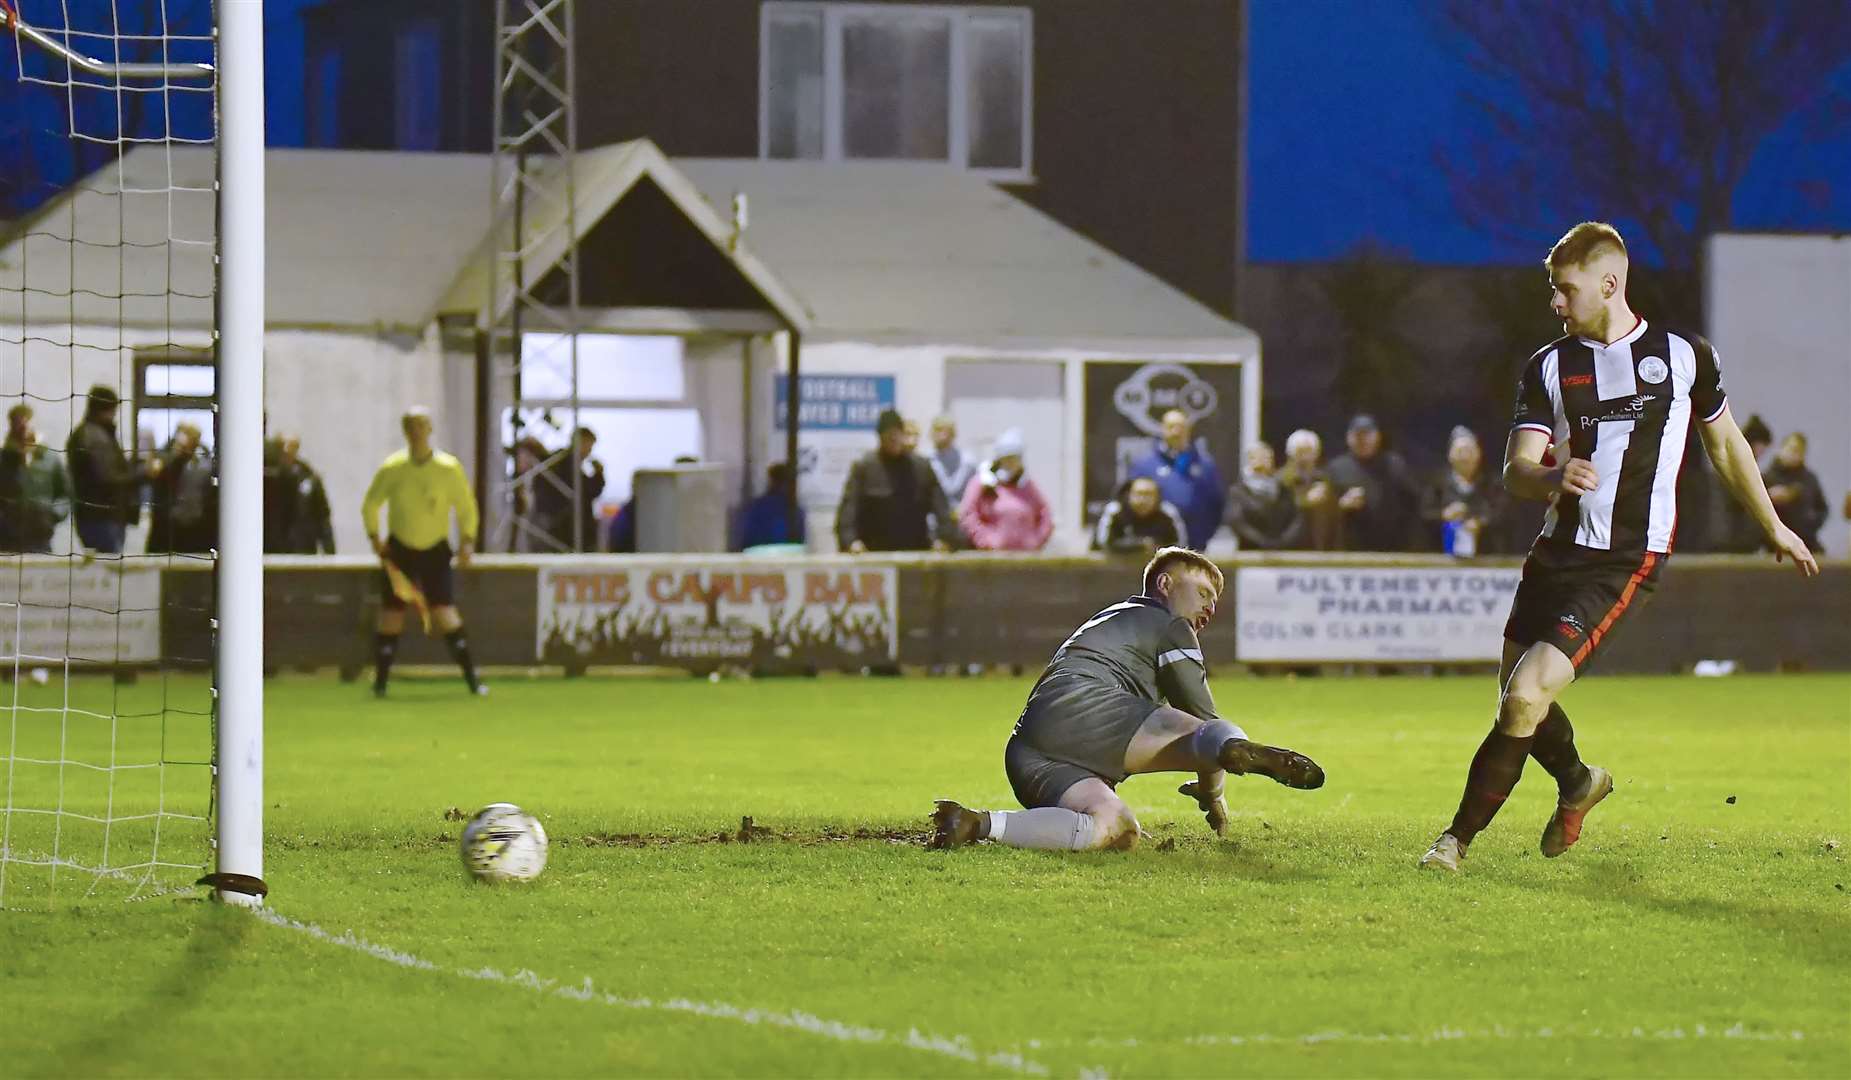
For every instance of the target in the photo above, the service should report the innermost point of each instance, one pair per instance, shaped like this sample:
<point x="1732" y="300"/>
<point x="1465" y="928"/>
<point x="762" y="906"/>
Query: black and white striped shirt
<point x="1627" y="408"/>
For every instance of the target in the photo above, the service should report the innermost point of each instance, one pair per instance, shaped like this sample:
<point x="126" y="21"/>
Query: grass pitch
<point x="1702" y="926"/>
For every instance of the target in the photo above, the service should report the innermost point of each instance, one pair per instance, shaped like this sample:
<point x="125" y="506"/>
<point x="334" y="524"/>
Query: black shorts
<point x="1072" y="729"/>
<point x="427" y="568"/>
<point x="1039" y="780"/>
<point x="1576" y="606"/>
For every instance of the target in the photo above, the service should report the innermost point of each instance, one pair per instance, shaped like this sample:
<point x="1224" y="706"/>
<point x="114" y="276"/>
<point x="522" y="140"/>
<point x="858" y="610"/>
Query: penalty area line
<point x="956" y="1046"/>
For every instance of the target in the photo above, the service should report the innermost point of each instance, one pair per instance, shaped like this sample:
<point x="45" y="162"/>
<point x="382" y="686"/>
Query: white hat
<point x="1008" y="444"/>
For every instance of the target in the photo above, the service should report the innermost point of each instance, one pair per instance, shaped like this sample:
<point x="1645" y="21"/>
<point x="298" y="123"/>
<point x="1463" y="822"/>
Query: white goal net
<point x="108" y="478"/>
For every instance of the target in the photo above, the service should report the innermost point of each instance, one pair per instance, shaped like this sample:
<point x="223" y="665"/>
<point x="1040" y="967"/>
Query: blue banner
<point x="836" y="402"/>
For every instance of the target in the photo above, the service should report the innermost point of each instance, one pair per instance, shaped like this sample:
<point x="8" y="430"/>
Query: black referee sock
<point x="385" y="650"/>
<point x="1554" y="750"/>
<point x="1495" y="770"/>
<point x="459" y="651"/>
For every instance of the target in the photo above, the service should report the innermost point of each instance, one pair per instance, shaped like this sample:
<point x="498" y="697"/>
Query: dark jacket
<point x="1121" y="531"/>
<point x="102" y="481"/>
<point x="1485" y="500"/>
<point x="1263" y="512"/>
<point x="1805" y="515"/>
<point x="1385" y="523"/>
<point x="893" y="504"/>
<point x="552" y="500"/>
<point x="35" y="495"/>
<point x="1190" y="482"/>
<point x="768" y="520"/>
<point x="183" y="515"/>
<point x="297" y="518"/>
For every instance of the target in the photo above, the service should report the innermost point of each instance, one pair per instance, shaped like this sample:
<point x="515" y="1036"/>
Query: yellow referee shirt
<point x="419" y="497"/>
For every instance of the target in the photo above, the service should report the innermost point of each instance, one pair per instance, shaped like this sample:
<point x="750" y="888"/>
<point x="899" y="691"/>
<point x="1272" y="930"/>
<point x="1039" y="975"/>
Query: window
<point x="173" y="387"/>
<point x="417" y="65"/>
<point x="896" y="82"/>
<point x="633" y="392"/>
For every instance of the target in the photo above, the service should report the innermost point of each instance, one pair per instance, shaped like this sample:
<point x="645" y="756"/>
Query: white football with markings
<point x="504" y="843"/>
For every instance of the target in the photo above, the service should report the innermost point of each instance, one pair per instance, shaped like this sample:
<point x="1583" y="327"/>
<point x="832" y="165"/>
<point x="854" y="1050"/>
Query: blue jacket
<point x="1190" y="482"/>
<point x="766" y="520"/>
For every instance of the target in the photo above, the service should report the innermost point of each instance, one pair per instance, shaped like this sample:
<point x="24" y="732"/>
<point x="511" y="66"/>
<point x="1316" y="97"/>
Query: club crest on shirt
<point x="1653" y="370"/>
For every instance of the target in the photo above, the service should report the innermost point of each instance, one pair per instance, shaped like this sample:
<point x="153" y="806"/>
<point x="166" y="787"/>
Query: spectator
<point x="305" y="522"/>
<point x="1795" y="490"/>
<point x="621" y="535"/>
<point x="1305" y="477"/>
<point x="529" y="533"/>
<point x="103" y="483"/>
<point x="910" y="431"/>
<point x="953" y="467"/>
<point x="1740" y="534"/>
<point x="1461" y="513"/>
<point x="1003" y="510"/>
<point x="184" y="513"/>
<point x="892" y="501"/>
<point x="1187" y="477"/>
<point x="1138" y="521"/>
<point x="768" y="519"/>
<point x="1375" y="491"/>
<point x="553" y="492"/>
<point x="1261" y="509"/>
<point x="35" y="491"/>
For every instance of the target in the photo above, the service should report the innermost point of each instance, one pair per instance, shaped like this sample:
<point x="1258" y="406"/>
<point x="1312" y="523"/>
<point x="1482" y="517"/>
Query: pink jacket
<point x="1005" y="517"/>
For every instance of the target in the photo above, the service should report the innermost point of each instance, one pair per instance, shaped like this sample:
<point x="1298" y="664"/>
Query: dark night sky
<point x="1341" y="146"/>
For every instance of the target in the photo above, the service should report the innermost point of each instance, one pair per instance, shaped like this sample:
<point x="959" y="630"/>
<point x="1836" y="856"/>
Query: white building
<point x="925" y="283"/>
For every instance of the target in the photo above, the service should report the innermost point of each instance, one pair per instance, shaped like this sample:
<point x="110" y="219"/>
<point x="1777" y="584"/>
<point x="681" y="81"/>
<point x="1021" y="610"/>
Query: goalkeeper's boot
<point x="1445" y="854"/>
<point x="954" y="826"/>
<point x="1564" y="826"/>
<point x="1288" y="767"/>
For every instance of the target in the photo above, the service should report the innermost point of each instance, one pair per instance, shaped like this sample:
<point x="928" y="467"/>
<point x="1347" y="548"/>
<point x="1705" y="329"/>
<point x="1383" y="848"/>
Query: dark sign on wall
<point x="1125" y="403"/>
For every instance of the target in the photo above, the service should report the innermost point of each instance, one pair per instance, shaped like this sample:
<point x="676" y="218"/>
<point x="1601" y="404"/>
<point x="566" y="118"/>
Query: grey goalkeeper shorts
<point x="1072" y="730"/>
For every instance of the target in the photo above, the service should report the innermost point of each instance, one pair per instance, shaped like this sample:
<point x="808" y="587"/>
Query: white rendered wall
<point x="1780" y="316"/>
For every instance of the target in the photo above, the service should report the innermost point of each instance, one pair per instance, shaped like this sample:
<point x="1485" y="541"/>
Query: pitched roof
<point x="391" y="239"/>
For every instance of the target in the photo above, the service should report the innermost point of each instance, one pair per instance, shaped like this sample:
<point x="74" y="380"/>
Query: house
<point x="1122" y="121"/>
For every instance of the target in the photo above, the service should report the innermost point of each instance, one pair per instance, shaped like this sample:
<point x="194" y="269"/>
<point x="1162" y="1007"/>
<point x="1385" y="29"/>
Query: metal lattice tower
<point x="534" y="279"/>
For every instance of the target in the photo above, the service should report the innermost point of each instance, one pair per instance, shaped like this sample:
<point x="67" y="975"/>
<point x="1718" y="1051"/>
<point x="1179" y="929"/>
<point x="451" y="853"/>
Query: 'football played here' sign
<point x="702" y="614"/>
<point x="1372" y="614"/>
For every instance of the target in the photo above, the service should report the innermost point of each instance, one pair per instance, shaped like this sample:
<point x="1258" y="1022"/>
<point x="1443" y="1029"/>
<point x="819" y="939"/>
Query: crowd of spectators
<point x="1368" y="498"/>
<point x="895" y="499"/>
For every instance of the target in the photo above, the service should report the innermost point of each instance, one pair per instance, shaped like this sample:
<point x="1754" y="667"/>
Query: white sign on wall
<point x="103" y="612"/>
<point x="1372" y="614"/>
<point x="698" y="614"/>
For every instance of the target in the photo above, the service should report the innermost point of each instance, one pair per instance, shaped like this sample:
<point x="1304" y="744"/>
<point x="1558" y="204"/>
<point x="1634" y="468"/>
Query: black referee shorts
<point x="427" y="568"/>
<point x="1576" y="606"/>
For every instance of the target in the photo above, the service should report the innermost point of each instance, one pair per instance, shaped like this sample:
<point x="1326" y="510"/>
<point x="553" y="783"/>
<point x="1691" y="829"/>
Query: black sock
<point x="1554" y="750"/>
<point x="385" y="649"/>
<point x="1494" y="772"/>
<point x="459" y="651"/>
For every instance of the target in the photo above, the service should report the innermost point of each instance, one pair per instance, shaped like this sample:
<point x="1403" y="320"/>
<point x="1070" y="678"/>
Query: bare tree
<point x="1643" y="112"/>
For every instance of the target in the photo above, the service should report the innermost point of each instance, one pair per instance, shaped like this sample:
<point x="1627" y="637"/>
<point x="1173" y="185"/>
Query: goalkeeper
<point x="420" y="486"/>
<point x="1097" y="716"/>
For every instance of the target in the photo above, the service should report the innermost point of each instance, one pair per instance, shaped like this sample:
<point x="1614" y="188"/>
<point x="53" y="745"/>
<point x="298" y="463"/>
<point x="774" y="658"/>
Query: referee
<point x="420" y="486"/>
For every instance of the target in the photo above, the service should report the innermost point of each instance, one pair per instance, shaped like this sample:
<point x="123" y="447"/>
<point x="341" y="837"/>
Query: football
<point x="504" y="843"/>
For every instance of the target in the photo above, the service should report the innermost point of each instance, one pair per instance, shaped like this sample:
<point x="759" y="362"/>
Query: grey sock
<point x="1047" y="828"/>
<point x="1208" y="740"/>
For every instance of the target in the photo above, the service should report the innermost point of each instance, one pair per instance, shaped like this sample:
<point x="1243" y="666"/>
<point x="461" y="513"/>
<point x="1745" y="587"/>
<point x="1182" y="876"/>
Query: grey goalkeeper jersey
<point x="1137" y="647"/>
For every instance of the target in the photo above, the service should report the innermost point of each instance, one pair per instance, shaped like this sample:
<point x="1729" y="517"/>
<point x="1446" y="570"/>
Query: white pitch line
<point x="957" y="1046"/>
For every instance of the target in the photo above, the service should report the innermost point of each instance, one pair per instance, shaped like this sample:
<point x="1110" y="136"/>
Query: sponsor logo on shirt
<point x="1577" y="380"/>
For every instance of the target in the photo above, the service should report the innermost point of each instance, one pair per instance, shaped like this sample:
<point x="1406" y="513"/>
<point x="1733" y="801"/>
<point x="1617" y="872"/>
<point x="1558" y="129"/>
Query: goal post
<point x="150" y="247"/>
<point x="240" y="706"/>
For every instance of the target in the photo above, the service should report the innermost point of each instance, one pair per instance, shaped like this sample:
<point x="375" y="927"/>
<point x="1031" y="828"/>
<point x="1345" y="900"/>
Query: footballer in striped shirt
<point x="1603" y="415"/>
